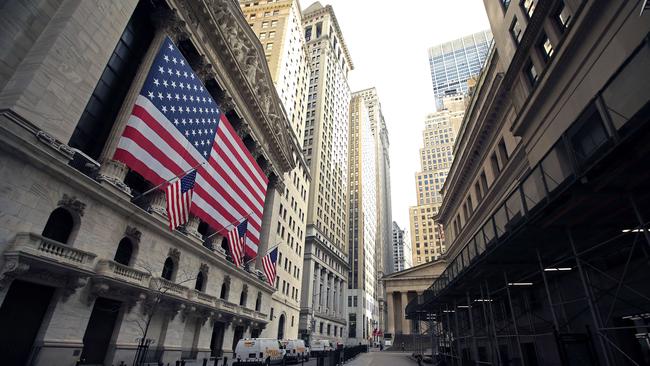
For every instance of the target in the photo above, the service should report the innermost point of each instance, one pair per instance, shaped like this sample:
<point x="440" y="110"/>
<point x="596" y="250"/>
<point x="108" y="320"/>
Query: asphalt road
<point x="373" y="359"/>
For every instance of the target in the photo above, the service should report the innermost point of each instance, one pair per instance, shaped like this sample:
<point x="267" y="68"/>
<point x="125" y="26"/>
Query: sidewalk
<point x="384" y="358"/>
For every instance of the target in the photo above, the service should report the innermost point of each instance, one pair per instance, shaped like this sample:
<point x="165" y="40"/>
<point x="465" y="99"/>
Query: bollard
<point x="225" y="361"/>
<point x="205" y="362"/>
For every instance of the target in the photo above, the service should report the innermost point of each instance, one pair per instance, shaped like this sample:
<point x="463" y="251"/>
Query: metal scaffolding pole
<point x="592" y="307"/>
<point x="514" y="320"/>
<point x="494" y="328"/>
<point x="642" y="223"/>
<point x="460" y="357"/>
<point x="556" y="324"/>
<point x="471" y="325"/>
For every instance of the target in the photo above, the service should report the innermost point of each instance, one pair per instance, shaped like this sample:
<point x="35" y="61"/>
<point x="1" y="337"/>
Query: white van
<point x="295" y="350"/>
<point x="258" y="351"/>
<point x="321" y="345"/>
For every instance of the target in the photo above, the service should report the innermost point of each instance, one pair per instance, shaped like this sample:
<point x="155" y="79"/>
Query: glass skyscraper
<point x="454" y="62"/>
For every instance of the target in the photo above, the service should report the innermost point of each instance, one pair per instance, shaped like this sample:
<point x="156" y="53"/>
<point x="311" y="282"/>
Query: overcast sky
<point x="388" y="43"/>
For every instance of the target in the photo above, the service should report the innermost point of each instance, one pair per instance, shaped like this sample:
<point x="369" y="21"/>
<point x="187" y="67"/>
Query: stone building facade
<point x="278" y="25"/>
<point x="87" y="263"/>
<point x="325" y="268"/>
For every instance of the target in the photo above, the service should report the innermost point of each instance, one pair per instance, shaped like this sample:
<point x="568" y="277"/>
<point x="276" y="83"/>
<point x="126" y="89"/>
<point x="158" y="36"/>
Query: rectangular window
<point x="269" y="46"/>
<point x="516" y="31"/>
<point x="274" y="23"/>
<point x="531" y="73"/>
<point x="545" y="47"/>
<point x="529" y="6"/>
<point x="272" y="34"/>
<point x="496" y="167"/>
<point x="505" y="3"/>
<point x="97" y="119"/>
<point x="562" y="16"/>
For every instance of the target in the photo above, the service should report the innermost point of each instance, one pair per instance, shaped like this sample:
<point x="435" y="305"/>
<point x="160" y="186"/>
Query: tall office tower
<point x="436" y="155"/>
<point x="278" y="25"/>
<point x="363" y="309"/>
<point x="383" y="247"/>
<point x="453" y="63"/>
<point x="325" y="267"/>
<point x="402" y="256"/>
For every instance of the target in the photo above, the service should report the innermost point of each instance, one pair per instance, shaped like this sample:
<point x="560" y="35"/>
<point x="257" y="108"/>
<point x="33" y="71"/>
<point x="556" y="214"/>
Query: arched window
<point x="225" y="289"/>
<point x="124" y="252"/>
<point x="258" y="302"/>
<point x="281" y="327"/>
<point x="59" y="225"/>
<point x="243" y="297"/>
<point x="168" y="269"/>
<point x="199" y="282"/>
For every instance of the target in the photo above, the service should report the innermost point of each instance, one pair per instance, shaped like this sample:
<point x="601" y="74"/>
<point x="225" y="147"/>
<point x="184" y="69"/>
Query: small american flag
<point x="268" y="262"/>
<point x="237" y="241"/>
<point x="179" y="199"/>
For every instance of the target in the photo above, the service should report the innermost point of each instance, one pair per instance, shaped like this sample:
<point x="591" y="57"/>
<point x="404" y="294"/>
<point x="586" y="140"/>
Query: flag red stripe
<point x="243" y="148"/>
<point x="247" y="191"/>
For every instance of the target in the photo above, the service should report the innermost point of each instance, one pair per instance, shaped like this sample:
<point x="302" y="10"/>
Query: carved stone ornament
<point x="177" y="308"/>
<point x="204" y="269"/>
<point x="95" y="291"/>
<point x="133" y="233"/>
<point x="114" y="172"/>
<point x="174" y="254"/>
<point x="72" y="284"/>
<point x="226" y="103"/>
<point x="72" y="204"/>
<point x="12" y="269"/>
<point x="169" y="21"/>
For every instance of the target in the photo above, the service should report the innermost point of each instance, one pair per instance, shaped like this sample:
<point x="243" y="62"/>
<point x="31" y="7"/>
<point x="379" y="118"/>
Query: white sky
<point x="388" y="43"/>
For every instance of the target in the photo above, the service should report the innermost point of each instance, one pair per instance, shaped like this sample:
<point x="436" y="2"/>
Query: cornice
<point x="222" y="32"/>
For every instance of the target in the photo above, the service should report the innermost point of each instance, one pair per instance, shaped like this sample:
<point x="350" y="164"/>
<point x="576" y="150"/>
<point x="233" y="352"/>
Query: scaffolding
<point x="559" y="274"/>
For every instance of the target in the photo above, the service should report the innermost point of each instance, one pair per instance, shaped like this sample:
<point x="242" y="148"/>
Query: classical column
<point x="267" y="234"/>
<point x="158" y="205"/>
<point x="406" y="329"/>
<point x="335" y="299"/>
<point x="342" y="298"/>
<point x="319" y="287"/>
<point x="113" y="172"/>
<point x="391" y="313"/>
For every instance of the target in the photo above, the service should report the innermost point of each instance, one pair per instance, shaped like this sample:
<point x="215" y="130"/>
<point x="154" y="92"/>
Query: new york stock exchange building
<point x="90" y="271"/>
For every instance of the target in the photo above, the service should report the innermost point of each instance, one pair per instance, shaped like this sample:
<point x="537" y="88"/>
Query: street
<point x="375" y="359"/>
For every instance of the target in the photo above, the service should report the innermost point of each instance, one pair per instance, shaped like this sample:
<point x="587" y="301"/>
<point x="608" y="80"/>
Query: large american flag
<point x="268" y="263"/>
<point x="237" y="242"/>
<point x="175" y="125"/>
<point x="179" y="199"/>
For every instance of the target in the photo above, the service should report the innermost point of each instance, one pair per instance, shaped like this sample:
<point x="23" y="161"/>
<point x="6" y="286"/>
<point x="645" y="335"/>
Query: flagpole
<point x="229" y="225"/>
<point x="167" y="181"/>
<point x="267" y="252"/>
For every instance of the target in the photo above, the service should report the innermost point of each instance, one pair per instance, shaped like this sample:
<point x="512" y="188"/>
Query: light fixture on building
<point x="449" y="311"/>
<point x="633" y="230"/>
<point x="463" y="306"/>
<point x="555" y="269"/>
<point x="520" y="283"/>
<point x="483" y="300"/>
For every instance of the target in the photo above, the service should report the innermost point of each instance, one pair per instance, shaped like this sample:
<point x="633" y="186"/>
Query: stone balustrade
<point x="118" y="271"/>
<point x="169" y="288"/>
<point x="51" y="250"/>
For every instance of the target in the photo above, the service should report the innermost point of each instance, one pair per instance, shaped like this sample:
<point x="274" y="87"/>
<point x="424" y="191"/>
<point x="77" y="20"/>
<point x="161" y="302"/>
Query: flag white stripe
<point x="200" y="181"/>
<point x="139" y="153"/>
<point x="255" y="196"/>
<point x="209" y="209"/>
<point x="243" y="156"/>
<point x="233" y="160"/>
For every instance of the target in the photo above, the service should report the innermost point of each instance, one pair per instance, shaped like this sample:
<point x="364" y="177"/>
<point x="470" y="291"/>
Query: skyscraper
<point x="278" y="26"/>
<point x="453" y="63"/>
<point x="325" y="268"/>
<point x="402" y="256"/>
<point x="436" y="155"/>
<point x="363" y="308"/>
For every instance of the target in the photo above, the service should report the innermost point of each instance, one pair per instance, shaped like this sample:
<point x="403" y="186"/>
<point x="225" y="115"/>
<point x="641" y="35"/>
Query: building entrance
<point x="216" y="344"/>
<point x="21" y="316"/>
<point x="99" y="331"/>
